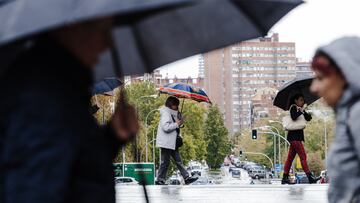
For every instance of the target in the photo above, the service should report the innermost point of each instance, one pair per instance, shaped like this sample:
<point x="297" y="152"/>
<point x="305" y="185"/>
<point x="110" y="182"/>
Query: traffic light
<point x="240" y="153"/>
<point x="254" y="134"/>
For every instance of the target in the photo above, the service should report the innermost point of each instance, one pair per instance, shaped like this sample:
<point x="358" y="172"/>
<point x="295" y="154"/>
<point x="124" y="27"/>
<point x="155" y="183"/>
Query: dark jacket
<point x="297" y="135"/>
<point x="51" y="148"/>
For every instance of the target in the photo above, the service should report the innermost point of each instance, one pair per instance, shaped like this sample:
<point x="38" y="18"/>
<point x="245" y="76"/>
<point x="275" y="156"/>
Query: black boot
<point x="285" y="179"/>
<point x="312" y="178"/>
<point x="160" y="182"/>
<point x="190" y="180"/>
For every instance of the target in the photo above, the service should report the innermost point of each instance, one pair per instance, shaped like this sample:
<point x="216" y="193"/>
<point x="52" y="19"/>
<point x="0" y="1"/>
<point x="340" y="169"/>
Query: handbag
<point x="290" y="124"/>
<point x="179" y="140"/>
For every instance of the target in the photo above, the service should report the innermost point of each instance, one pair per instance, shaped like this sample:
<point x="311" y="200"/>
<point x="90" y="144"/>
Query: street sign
<point x="279" y="167"/>
<point x="140" y="171"/>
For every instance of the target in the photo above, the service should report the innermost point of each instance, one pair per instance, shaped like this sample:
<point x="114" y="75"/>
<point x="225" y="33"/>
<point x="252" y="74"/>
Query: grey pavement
<point x="231" y="190"/>
<point x="225" y="193"/>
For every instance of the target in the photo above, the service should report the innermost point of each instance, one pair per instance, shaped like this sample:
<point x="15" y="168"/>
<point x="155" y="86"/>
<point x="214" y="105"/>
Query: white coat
<point x="166" y="134"/>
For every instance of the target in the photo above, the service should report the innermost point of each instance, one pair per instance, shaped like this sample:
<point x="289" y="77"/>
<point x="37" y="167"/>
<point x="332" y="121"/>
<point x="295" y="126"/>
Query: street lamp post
<point x="274" y="147"/>
<point x="280" y="136"/>
<point x="279" y="146"/>
<point x="146" y="131"/>
<point x="153" y="144"/>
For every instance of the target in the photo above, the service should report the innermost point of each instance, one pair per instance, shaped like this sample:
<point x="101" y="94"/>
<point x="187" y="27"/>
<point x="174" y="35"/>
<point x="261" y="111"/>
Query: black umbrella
<point x="289" y="90"/>
<point x="150" y="33"/>
<point x="23" y="20"/>
<point x="208" y="25"/>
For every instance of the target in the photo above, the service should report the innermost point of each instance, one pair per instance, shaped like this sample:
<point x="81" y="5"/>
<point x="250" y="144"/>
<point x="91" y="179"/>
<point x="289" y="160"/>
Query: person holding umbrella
<point x="295" y="96"/>
<point x="295" y="136"/>
<point x="337" y="73"/>
<point x="169" y="140"/>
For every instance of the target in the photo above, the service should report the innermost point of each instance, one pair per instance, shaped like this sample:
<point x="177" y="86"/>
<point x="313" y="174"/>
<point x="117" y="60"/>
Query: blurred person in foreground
<point x="169" y="140"/>
<point x="51" y="148"/>
<point x="337" y="80"/>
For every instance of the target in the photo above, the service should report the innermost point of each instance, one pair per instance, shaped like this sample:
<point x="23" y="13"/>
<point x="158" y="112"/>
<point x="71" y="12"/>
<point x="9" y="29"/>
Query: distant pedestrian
<point x="169" y="140"/>
<point x="337" y="80"/>
<point x="296" y="138"/>
<point x="297" y="178"/>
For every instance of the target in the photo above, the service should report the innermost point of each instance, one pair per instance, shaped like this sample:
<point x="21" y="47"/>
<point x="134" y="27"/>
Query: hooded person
<point x="337" y="73"/>
<point x="167" y="140"/>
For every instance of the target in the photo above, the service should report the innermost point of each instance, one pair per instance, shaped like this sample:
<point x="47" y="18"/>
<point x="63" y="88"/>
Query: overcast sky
<point x="310" y="25"/>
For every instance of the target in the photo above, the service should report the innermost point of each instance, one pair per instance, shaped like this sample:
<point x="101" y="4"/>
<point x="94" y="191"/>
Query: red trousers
<point x="296" y="147"/>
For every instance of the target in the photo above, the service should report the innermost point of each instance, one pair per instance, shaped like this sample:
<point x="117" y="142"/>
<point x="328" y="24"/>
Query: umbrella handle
<point x="182" y="105"/>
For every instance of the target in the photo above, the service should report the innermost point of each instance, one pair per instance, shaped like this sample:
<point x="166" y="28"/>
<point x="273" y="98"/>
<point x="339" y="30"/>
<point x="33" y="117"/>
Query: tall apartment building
<point x="201" y="67"/>
<point x="303" y="69"/>
<point x="157" y="78"/>
<point x="234" y="75"/>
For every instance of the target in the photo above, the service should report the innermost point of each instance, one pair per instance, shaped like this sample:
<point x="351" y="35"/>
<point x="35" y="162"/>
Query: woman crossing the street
<point x="295" y="136"/>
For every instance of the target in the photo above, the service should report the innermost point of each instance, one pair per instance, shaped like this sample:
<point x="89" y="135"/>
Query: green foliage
<point x="315" y="162"/>
<point x="216" y="136"/>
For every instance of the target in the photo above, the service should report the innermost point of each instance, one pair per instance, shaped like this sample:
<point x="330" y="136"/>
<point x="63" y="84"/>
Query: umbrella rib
<point x="138" y="42"/>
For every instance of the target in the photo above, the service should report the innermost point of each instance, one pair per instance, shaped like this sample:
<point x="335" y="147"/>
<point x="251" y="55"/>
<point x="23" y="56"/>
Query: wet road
<point x="225" y="193"/>
<point x="230" y="190"/>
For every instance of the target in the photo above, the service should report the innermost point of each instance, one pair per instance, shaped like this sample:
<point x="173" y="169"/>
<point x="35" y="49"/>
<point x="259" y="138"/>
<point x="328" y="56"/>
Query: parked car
<point x="174" y="182"/>
<point x="231" y="168"/>
<point x="236" y="173"/>
<point x="125" y="181"/>
<point x="238" y="164"/>
<point x="201" y="181"/>
<point x="248" y="166"/>
<point x="195" y="170"/>
<point x="257" y="173"/>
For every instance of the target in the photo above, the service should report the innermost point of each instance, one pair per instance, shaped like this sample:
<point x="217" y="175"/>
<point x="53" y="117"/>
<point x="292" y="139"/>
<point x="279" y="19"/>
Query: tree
<point x="216" y="136"/>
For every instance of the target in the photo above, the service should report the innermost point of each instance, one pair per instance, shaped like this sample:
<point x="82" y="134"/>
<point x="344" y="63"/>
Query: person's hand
<point x="305" y="106"/>
<point x="180" y="122"/>
<point x="125" y="123"/>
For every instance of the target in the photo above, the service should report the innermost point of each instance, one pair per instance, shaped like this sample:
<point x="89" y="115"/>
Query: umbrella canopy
<point x="187" y="91"/>
<point x="20" y="19"/>
<point x="289" y="90"/>
<point x="149" y="33"/>
<point x="106" y="85"/>
<point x="190" y="30"/>
<point x="23" y="20"/>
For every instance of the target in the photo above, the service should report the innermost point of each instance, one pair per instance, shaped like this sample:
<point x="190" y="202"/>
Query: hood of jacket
<point x="165" y="109"/>
<point x="344" y="52"/>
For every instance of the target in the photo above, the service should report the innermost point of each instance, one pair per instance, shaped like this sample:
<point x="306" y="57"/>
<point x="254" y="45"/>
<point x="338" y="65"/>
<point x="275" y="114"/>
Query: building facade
<point x="234" y="75"/>
<point x="303" y="69"/>
<point x="157" y="78"/>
